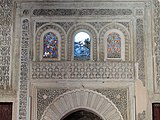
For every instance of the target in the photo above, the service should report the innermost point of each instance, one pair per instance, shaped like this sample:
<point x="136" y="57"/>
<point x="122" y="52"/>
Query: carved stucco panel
<point x="82" y="70"/>
<point x="5" y="42"/>
<point x="80" y="12"/>
<point x="50" y="95"/>
<point x="45" y="97"/>
<point x="157" y="44"/>
<point x="24" y="70"/>
<point x="140" y="49"/>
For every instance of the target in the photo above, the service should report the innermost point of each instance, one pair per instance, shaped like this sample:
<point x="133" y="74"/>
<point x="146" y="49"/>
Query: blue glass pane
<point x="82" y="44"/>
<point x="50" y="45"/>
<point x="113" y="45"/>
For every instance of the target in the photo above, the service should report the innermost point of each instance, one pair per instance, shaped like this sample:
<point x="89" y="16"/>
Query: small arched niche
<point x="81" y="114"/>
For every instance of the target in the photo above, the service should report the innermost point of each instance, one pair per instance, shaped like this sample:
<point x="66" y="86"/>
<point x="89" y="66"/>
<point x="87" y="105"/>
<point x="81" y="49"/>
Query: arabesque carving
<point x="117" y="95"/>
<point x="83" y="70"/>
<point x="45" y="97"/>
<point x="80" y="12"/>
<point x="81" y="99"/>
<point x="140" y="50"/>
<point x="5" y="42"/>
<point x="24" y="70"/>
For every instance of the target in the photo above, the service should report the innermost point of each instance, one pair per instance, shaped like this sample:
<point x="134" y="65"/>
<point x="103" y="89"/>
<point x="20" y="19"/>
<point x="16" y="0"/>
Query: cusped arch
<point x="82" y="99"/>
<point x="86" y="28"/>
<point x="119" y="27"/>
<point x="49" y="27"/>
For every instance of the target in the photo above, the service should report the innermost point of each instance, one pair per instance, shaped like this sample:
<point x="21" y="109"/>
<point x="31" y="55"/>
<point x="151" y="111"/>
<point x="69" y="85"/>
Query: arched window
<point x="82" y="46"/>
<point x="50" y="45"/>
<point x="114" y="44"/>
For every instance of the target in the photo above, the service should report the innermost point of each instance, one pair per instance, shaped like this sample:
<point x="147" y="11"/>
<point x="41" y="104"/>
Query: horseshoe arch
<point x="82" y="99"/>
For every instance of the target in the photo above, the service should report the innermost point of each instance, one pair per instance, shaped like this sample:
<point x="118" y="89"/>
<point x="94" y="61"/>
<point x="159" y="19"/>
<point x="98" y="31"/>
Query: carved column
<point x="24" y="70"/>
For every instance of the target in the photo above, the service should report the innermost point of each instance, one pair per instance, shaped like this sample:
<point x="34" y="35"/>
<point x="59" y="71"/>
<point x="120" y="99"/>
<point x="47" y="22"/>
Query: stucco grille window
<point x="50" y="45"/>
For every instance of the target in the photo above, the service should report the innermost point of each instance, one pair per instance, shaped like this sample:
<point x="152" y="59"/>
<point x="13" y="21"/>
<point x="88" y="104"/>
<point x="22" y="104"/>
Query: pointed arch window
<point x="82" y="46"/>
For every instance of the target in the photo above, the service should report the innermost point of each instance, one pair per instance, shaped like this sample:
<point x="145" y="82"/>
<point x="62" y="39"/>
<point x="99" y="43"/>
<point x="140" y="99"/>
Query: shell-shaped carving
<point x="82" y="99"/>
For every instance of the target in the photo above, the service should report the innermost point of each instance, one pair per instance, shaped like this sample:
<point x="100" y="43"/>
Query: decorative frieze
<point x="140" y="49"/>
<point x="82" y="70"/>
<point x="24" y="70"/>
<point x="81" y="12"/>
<point x="5" y="42"/>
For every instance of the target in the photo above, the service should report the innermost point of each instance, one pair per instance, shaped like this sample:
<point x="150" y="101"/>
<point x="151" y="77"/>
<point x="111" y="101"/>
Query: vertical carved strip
<point x="5" y="42"/>
<point x="157" y="43"/>
<point x="24" y="70"/>
<point x="140" y="49"/>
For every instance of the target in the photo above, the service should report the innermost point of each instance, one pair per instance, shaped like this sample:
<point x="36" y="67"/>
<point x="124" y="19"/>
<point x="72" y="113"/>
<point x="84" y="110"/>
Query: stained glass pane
<point x="114" y="45"/>
<point x="50" y="45"/>
<point x="82" y="45"/>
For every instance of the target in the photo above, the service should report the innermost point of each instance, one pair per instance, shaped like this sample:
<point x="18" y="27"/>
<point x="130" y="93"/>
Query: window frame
<point x="91" y="44"/>
<point x="42" y="48"/>
<point x="122" y="44"/>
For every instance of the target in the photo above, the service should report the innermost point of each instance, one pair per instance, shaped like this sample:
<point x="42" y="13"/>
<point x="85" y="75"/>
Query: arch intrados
<point x="82" y="108"/>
